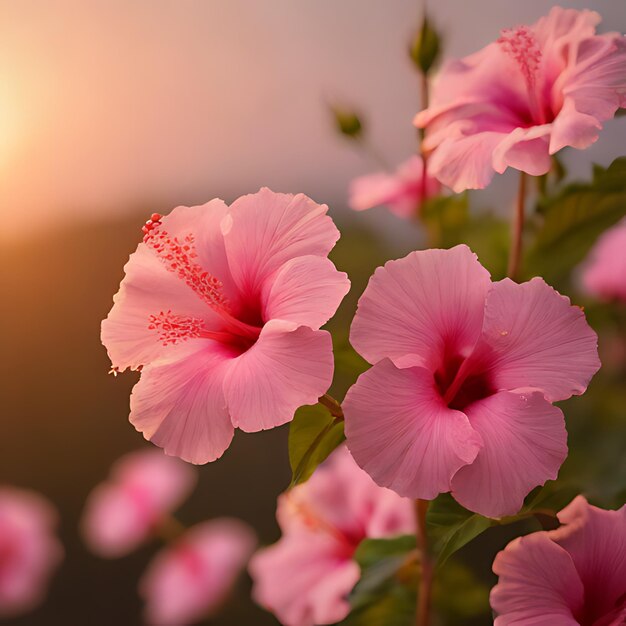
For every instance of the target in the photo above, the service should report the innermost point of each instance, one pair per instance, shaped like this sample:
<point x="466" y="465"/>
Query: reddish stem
<point x="424" y="589"/>
<point x="517" y="229"/>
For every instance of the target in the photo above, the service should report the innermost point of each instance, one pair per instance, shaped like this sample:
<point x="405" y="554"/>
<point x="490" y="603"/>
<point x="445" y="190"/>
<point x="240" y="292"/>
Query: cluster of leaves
<point x="569" y="222"/>
<point x="390" y="568"/>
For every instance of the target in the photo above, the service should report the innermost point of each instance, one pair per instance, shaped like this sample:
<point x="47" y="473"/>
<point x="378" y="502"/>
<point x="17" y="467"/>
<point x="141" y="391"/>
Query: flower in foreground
<point x="575" y="575"/>
<point x="403" y="192"/>
<point x="128" y="507"/>
<point x="464" y="375"/>
<point x="604" y="273"/>
<point x="29" y="551"/>
<point x="220" y="308"/>
<point x="305" y="578"/>
<point x="522" y="98"/>
<point x="191" y="579"/>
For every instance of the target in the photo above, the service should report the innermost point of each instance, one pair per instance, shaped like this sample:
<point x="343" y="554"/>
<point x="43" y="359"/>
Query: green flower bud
<point x="425" y="47"/>
<point x="347" y="122"/>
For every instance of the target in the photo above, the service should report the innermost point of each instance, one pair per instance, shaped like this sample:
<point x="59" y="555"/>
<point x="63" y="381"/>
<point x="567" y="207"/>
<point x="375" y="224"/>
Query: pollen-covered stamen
<point x="521" y="45"/>
<point x="178" y="257"/>
<point x="173" y="329"/>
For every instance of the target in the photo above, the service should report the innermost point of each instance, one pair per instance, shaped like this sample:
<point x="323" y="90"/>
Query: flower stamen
<point x="178" y="257"/>
<point x="521" y="45"/>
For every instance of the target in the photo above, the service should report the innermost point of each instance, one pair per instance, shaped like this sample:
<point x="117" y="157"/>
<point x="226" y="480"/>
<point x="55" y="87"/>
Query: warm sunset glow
<point x="10" y="125"/>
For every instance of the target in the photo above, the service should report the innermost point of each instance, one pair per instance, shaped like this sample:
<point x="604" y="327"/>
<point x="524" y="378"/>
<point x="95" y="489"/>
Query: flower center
<point x="316" y="523"/>
<point x="179" y="256"/>
<point x="8" y="552"/>
<point x="520" y="44"/>
<point x="460" y="384"/>
<point x="596" y="613"/>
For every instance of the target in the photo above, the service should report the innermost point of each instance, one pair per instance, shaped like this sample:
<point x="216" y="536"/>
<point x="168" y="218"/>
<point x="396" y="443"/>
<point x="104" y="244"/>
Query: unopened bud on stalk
<point x="425" y="47"/>
<point x="347" y="122"/>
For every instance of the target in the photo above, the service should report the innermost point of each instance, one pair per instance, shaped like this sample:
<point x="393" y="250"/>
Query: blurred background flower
<point x="192" y="578"/>
<point x="143" y="489"/>
<point x="29" y="551"/>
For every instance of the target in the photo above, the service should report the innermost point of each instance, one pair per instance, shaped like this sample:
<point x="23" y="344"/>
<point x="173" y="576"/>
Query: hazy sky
<point x="111" y="105"/>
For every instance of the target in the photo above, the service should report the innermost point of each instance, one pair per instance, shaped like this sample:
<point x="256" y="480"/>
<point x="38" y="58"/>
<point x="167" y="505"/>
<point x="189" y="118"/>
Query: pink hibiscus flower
<point x="521" y="99"/>
<point x="306" y="577"/>
<point x="29" y="551"/>
<point x="575" y="575"/>
<point x="124" y="511"/>
<point x="191" y="579"/>
<point x="465" y="371"/>
<point x="221" y="309"/>
<point x="403" y="192"/>
<point x="604" y="273"/>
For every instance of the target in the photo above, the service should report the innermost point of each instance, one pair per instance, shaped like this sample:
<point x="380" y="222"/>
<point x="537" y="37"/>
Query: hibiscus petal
<point x="596" y="541"/>
<point x="290" y="579"/>
<point x="287" y="367"/>
<point x="538" y="584"/>
<point x="266" y="229"/>
<point x="424" y="304"/>
<point x="401" y="191"/>
<point x="525" y="443"/>
<point x="147" y="289"/>
<point x="191" y="579"/>
<point x="113" y="524"/>
<point x="341" y="495"/>
<point x="605" y="267"/>
<point x="534" y="338"/>
<point x="399" y="431"/>
<point x="181" y="406"/>
<point x="525" y="149"/>
<point x="573" y="128"/>
<point x="121" y="512"/>
<point x="204" y="222"/>
<point x="593" y="88"/>
<point x="466" y="162"/>
<point x="306" y="290"/>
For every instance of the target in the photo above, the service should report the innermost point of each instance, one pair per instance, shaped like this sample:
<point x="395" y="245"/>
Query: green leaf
<point x="313" y="435"/>
<point x="425" y="47"/>
<point x="458" y="595"/>
<point x="445" y="218"/>
<point x="574" y="219"/>
<point x="385" y="593"/>
<point x="347" y="360"/>
<point x="371" y="551"/>
<point x="549" y="499"/>
<point x="450" y="526"/>
<point x="449" y="222"/>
